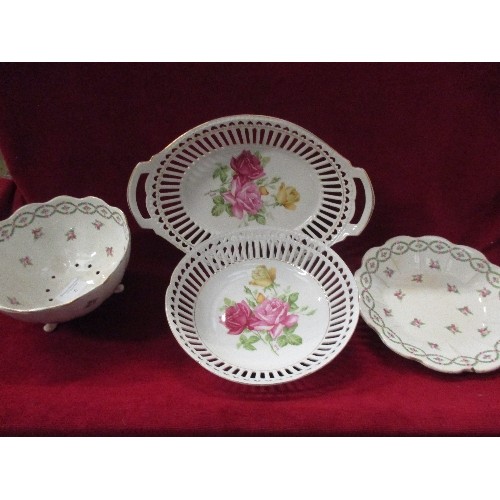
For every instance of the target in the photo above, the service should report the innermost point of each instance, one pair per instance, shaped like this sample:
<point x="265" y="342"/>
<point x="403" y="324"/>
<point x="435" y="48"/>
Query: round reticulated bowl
<point x="262" y="306"/>
<point x="61" y="259"/>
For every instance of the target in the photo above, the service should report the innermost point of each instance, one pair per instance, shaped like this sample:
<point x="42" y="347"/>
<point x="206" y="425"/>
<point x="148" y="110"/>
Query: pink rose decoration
<point x="272" y="316"/>
<point x="243" y="197"/>
<point x="248" y="166"/>
<point x="236" y="318"/>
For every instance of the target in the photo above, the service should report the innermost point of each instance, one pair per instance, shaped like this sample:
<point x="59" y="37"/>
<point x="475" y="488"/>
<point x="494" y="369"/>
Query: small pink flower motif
<point x="86" y="208"/>
<point x="272" y="316"/>
<point x="388" y="312"/>
<point x="109" y="251"/>
<point x="5" y="234"/>
<point x="389" y="271"/>
<point x="480" y="265"/>
<point x="460" y="255"/>
<point x="418" y="278"/>
<point x="373" y="264"/>
<point x="399" y="294"/>
<point x="400" y="248"/>
<point x="453" y="328"/>
<point x="65" y="208"/>
<point x="465" y="310"/>
<point x="26" y="261"/>
<point x="37" y="233"/>
<point x="384" y="254"/>
<point x="416" y="322"/>
<point x="44" y="211"/>
<point x="244" y="197"/>
<point x="439" y="246"/>
<point x="484" y="292"/>
<point x="435" y="264"/>
<point x="23" y="219"/>
<point x="98" y="224"/>
<point x="452" y="288"/>
<point x="432" y="345"/>
<point x="14" y="301"/>
<point x="247" y="166"/>
<point x="70" y="235"/>
<point x="484" y="331"/>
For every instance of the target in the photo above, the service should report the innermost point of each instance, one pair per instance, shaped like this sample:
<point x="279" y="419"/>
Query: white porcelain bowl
<point x="61" y="259"/>
<point x="262" y="306"/>
<point x="433" y="301"/>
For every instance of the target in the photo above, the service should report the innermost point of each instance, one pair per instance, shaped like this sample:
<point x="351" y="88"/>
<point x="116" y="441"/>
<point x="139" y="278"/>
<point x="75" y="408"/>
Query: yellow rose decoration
<point x="287" y="196"/>
<point x="263" y="276"/>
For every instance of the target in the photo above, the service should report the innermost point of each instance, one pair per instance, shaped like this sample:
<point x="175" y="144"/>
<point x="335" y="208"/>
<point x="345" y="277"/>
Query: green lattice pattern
<point x="26" y="218"/>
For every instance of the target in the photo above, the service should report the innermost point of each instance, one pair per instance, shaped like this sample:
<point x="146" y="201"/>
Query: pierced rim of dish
<point x="249" y="170"/>
<point x="262" y="306"/>
<point x="434" y="302"/>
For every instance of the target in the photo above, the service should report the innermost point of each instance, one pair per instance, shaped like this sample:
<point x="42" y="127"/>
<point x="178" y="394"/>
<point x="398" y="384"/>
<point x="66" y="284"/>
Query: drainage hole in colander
<point x="98" y="272"/>
<point x="47" y="289"/>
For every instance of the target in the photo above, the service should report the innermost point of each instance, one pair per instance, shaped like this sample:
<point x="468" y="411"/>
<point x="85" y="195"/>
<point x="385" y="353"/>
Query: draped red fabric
<point x="428" y="135"/>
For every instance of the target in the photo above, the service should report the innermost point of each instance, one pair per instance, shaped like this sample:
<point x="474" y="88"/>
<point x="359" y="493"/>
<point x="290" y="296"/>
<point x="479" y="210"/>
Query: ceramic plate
<point x="249" y="171"/>
<point x="433" y="301"/>
<point x="262" y="306"/>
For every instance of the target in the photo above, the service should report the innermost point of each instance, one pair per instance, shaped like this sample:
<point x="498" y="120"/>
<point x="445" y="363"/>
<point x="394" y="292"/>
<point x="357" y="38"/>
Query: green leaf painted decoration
<point x="252" y="196"/>
<point x="264" y="314"/>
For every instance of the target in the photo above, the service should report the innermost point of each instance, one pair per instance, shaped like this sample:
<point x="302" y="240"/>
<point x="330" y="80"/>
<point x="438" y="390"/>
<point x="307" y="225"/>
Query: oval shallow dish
<point x="434" y="302"/>
<point x="263" y="306"/>
<point x="249" y="171"/>
<point x="61" y="259"/>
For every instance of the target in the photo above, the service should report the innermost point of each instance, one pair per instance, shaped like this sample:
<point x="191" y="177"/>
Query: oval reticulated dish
<point x="249" y="171"/>
<point x="262" y="306"/>
<point x="434" y="302"/>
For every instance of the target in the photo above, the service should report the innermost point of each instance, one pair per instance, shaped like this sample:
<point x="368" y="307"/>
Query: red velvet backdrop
<point x="428" y="136"/>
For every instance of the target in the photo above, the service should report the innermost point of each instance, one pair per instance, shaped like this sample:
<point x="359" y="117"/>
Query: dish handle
<point x="356" y="229"/>
<point x="140" y="169"/>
